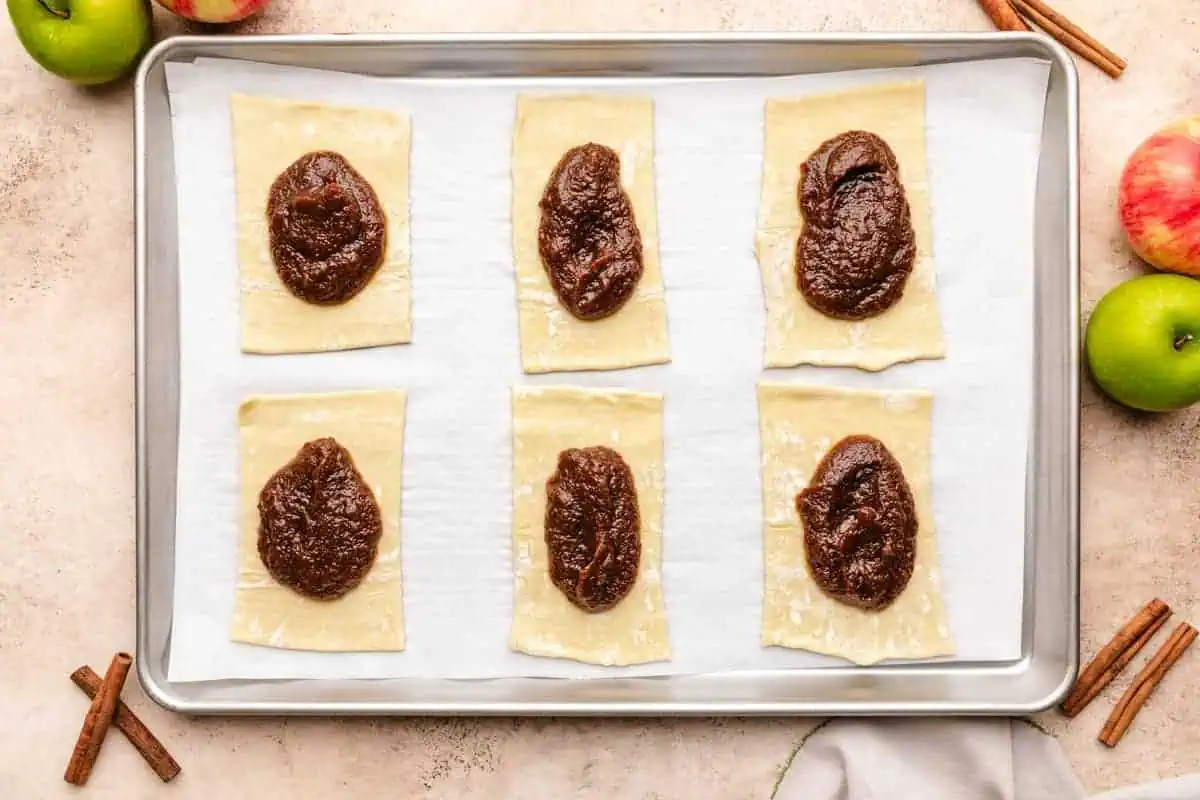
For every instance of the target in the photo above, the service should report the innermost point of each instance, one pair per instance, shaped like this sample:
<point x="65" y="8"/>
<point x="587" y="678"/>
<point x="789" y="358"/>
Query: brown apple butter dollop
<point x="588" y="239"/>
<point x="860" y="524"/>
<point x="593" y="528"/>
<point x="319" y="523"/>
<point x="857" y="245"/>
<point x="326" y="229"/>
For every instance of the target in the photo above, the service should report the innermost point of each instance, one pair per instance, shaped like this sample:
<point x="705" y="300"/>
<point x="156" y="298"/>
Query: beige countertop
<point x="67" y="548"/>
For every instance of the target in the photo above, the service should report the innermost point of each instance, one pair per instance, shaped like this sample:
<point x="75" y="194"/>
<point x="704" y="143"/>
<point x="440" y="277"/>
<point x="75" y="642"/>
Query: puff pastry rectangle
<point x="795" y="332"/>
<point x="545" y="422"/>
<point x="552" y="340"/>
<point x="268" y="135"/>
<point x="370" y="425"/>
<point x="798" y="425"/>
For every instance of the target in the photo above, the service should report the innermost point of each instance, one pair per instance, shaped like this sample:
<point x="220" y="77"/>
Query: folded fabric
<point x="945" y="759"/>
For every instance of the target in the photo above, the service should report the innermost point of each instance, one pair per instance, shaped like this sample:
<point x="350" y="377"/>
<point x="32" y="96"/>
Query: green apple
<point x="84" y="41"/>
<point x="1143" y="342"/>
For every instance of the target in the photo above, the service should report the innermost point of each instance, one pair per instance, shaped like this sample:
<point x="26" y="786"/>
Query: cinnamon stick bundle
<point x="1015" y="15"/>
<point x="1071" y="36"/>
<point x="1116" y="655"/>
<point x="127" y="722"/>
<point x="1145" y="683"/>
<point x="95" y="724"/>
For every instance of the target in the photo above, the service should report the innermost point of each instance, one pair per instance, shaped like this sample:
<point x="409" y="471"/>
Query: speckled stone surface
<point x="66" y="490"/>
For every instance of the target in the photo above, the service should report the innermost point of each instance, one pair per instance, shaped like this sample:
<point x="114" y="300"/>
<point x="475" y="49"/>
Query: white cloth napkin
<point x="945" y="759"/>
<point x="1186" y="787"/>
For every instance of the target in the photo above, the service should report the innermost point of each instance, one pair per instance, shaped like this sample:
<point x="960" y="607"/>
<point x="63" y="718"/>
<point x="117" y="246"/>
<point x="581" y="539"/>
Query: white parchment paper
<point x="984" y="129"/>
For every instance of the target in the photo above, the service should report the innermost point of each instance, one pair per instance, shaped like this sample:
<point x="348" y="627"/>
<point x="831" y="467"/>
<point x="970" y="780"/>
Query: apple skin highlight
<point x="1159" y="198"/>
<point x="217" y="11"/>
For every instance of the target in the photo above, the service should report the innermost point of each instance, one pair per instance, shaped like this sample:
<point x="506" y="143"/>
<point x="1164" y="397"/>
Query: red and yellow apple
<point x="214" y="10"/>
<point x="1159" y="198"/>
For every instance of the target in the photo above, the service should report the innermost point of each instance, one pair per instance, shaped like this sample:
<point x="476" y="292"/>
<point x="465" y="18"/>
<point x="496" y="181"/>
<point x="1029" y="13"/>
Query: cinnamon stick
<point x="1145" y="683"/>
<point x="1071" y="36"/>
<point x="127" y="722"/>
<point x="1003" y="16"/>
<point x="95" y="724"/>
<point x="1080" y="697"/>
<point x="1116" y="655"/>
<point x="1107" y="659"/>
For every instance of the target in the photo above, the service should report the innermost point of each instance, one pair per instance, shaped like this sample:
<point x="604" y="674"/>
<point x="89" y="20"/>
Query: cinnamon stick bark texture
<point x="1145" y="683"/>
<point x="95" y="724"/>
<point x="145" y="742"/>
<point x="1115" y="655"/>
<point x="1003" y="16"/>
<point x="1071" y="36"/>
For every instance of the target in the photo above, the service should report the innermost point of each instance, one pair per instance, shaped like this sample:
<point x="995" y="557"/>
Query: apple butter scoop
<point x="593" y="528"/>
<point x="860" y="524"/>
<point x="326" y="229"/>
<point x="588" y="240"/>
<point x="857" y="244"/>
<point x="319" y="524"/>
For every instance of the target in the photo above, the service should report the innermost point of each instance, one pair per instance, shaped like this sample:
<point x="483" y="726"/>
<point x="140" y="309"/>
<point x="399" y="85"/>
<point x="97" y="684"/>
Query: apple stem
<point x="59" y="8"/>
<point x="1183" y="340"/>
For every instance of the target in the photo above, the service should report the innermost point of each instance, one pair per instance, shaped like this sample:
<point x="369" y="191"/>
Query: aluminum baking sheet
<point x="640" y="57"/>
<point x="460" y="369"/>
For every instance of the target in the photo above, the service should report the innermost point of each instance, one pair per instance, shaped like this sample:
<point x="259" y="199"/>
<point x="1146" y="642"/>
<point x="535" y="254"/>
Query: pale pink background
<point x="66" y="489"/>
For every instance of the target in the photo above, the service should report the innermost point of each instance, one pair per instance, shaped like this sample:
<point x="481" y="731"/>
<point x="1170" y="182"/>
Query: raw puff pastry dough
<point x="268" y="135"/>
<point x="796" y="333"/>
<point x="551" y="338"/>
<point x="545" y="623"/>
<point x="370" y="617"/>
<point x="798" y="425"/>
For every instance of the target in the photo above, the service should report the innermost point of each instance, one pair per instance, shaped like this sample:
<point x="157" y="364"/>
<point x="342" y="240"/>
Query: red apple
<point x="1159" y="198"/>
<point x="214" y="10"/>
